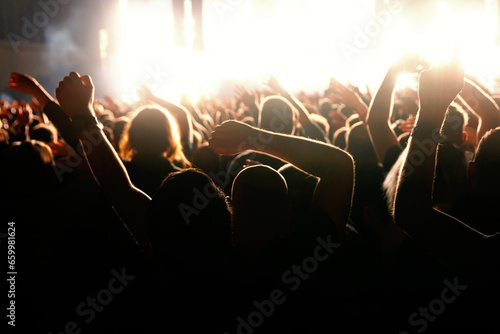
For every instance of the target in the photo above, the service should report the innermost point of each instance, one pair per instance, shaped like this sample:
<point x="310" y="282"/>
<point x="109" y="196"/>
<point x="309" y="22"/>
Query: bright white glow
<point x="466" y="33"/>
<point x="297" y="41"/>
<point x="103" y="43"/>
<point x="188" y="24"/>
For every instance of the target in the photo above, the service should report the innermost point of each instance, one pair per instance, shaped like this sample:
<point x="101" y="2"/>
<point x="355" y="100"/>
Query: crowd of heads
<point x="250" y="210"/>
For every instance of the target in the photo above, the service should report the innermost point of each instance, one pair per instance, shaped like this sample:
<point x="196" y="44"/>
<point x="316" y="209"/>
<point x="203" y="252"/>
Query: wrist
<point x="43" y="99"/>
<point x="393" y="73"/>
<point x="84" y="122"/>
<point x="424" y="130"/>
<point x="258" y="139"/>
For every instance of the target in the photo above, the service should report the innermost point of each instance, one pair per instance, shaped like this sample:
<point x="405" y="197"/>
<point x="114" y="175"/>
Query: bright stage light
<point x="297" y="41"/>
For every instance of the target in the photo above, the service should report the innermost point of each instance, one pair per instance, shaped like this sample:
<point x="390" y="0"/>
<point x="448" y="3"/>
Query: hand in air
<point x="232" y="137"/>
<point x="144" y="92"/>
<point x="24" y="116"/>
<point x="410" y="63"/>
<point x="26" y="84"/>
<point x="243" y="95"/>
<point x="273" y="83"/>
<point x="76" y="95"/>
<point x="346" y="96"/>
<point x="23" y="83"/>
<point x="439" y="86"/>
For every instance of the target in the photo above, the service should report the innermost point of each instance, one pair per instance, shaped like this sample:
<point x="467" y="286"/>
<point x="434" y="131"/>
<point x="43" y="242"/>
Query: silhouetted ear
<point x="464" y="136"/>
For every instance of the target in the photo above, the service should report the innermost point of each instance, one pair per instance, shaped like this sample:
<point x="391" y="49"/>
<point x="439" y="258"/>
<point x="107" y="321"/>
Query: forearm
<point x="333" y="166"/>
<point x="378" y="117"/>
<point x="41" y="95"/>
<point x="63" y="123"/>
<point x="312" y="156"/>
<point x="313" y="131"/>
<point x="381" y="105"/>
<point x="129" y="202"/>
<point x="303" y="113"/>
<point x="414" y="190"/>
<point x="182" y="116"/>
<point x="104" y="161"/>
<point x="173" y="108"/>
<point x="442" y="235"/>
<point x="362" y="110"/>
<point x="483" y="106"/>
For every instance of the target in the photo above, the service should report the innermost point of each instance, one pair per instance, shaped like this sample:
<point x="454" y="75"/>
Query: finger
<point x="58" y="92"/>
<point x="67" y="81"/>
<point x="62" y="84"/>
<point x="87" y="81"/>
<point x="339" y="86"/>
<point x="15" y="76"/>
<point x="74" y="75"/>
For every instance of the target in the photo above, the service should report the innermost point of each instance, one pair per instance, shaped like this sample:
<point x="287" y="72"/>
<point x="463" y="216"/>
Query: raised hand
<point x="76" y="95"/>
<point x="410" y="63"/>
<point x="438" y="87"/>
<point x="24" y="116"/>
<point x="23" y="83"/>
<point x="26" y="84"/>
<point x="273" y="83"/>
<point x="408" y="124"/>
<point x="61" y="149"/>
<point x="349" y="98"/>
<point x="243" y="95"/>
<point x="232" y="137"/>
<point x="144" y="92"/>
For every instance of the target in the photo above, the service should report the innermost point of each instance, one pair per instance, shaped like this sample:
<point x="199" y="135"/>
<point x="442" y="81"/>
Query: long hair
<point x="153" y="131"/>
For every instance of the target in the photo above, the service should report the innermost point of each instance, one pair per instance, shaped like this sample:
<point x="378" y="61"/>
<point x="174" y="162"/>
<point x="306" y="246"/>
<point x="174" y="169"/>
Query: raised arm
<point x="472" y="123"/>
<point x="312" y="129"/>
<point x="75" y="95"/>
<point x="29" y="85"/>
<point x="180" y="113"/>
<point x="451" y="241"/>
<point x="248" y="99"/>
<point x="379" y="112"/>
<point x="350" y="99"/>
<point x="483" y="106"/>
<point x="333" y="166"/>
